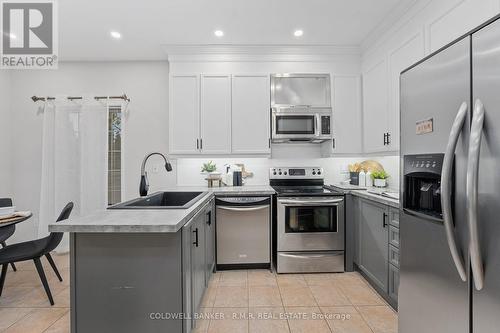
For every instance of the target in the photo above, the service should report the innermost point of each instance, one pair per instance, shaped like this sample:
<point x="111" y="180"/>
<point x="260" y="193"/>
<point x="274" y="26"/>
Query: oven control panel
<point x="296" y="173"/>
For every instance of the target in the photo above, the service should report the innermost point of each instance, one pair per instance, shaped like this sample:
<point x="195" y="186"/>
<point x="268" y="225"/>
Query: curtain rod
<point x="71" y="98"/>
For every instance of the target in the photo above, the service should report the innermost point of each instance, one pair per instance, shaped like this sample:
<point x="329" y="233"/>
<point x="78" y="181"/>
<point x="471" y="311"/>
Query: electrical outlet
<point x="156" y="168"/>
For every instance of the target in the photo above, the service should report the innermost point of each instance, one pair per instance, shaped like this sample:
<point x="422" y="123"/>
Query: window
<point x="114" y="155"/>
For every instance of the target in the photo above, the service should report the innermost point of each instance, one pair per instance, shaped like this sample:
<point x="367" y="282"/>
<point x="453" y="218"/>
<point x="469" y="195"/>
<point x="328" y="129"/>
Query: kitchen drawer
<point x="394" y="217"/>
<point x="311" y="262"/>
<point x="394" y="236"/>
<point x="394" y="255"/>
<point x="393" y="282"/>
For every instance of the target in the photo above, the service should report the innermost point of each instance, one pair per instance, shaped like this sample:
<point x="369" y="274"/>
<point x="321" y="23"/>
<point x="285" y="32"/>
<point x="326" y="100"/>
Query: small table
<point x="15" y="220"/>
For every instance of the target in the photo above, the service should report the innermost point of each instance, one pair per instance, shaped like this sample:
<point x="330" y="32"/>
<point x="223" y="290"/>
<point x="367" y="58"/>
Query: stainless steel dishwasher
<point x="243" y="232"/>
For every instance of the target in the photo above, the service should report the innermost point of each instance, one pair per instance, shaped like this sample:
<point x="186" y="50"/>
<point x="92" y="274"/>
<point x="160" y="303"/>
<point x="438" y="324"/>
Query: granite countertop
<point x="150" y="220"/>
<point x="367" y="193"/>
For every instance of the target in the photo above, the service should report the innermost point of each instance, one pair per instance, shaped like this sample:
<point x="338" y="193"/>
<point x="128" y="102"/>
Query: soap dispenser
<point x="362" y="178"/>
<point x="369" y="179"/>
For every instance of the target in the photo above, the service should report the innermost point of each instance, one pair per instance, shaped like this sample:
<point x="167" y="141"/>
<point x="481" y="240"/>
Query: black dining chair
<point x="34" y="250"/>
<point x="6" y="232"/>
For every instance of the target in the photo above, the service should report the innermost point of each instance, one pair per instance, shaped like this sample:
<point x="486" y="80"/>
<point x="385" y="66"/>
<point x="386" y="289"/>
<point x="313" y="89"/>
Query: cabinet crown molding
<point x="222" y="52"/>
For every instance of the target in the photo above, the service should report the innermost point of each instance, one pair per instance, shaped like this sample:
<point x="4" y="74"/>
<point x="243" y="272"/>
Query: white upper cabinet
<point x="375" y="106"/>
<point x="215" y="114"/>
<point x="401" y="58"/>
<point x="219" y="114"/>
<point x="347" y="123"/>
<point x="184" y="114"/>
<point x="381" y="95"/>
<point x="250" y="114"/>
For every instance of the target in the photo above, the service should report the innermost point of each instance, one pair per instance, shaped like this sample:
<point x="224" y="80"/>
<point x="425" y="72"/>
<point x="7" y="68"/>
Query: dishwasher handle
<point x="243" y="209"/>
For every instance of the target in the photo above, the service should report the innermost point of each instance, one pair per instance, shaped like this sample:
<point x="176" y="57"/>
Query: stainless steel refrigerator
<point x="450" y="188"/>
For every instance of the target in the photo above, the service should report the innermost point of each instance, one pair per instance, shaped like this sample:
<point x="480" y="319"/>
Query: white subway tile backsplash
<point x="189" y="169"/>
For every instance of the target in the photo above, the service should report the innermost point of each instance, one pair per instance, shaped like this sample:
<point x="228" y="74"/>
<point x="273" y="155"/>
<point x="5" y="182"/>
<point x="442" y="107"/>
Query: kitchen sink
<point x="162" y="200"/>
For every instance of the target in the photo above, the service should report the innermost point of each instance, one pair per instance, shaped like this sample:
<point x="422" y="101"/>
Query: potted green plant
<point x="210" y="168"/>
<point x="380" y="178"/>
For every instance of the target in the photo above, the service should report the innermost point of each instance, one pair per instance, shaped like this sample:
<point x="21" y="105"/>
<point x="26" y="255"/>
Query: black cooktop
<point x="305" y="191"/>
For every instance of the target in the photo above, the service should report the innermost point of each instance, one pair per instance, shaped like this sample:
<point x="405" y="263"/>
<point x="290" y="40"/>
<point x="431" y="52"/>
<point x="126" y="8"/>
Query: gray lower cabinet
<point x="125" y="282"/>
<point x="198" y="261"/>
<point x="393" y="282"/>
<point x="210" y="240"/>
<point x="136" y="282"/>
<point x="373" y="240"/>
<point x="376" y="244"/>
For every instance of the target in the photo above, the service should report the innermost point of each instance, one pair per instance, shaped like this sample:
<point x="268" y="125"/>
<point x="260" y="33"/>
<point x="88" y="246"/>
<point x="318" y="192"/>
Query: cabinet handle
<point x="209" y="217"/>
<point x="197" y="144"/>
<point x="385" y="139"/>
<point x="333" y="143"/>
<point x="388" y="138"/>
<point x="201" y="143"/>
<point x="384" y="220"/>
<point x="196" y="237"/>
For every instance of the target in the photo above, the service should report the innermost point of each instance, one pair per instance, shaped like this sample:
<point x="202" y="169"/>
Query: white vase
<point x="380" y="182"/>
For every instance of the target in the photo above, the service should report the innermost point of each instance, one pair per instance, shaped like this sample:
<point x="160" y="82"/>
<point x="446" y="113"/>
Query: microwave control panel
<point x="325" y="125"/>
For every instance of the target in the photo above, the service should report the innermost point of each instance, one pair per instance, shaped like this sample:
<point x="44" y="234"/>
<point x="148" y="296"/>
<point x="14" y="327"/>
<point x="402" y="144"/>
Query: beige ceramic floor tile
<point x="261" y="278"/>
<point x="306" y="320"/>
<point x="320" y="279"/>
<point x="229" y="297"/>
<point x="214" y="280"/>
<point x="264" y="296"/>
<point x="209" y="297"/>
<point x="9" y="316"/>
<point x="345" y="319"/>
<point x="62" y="325"/>
<point x="359" y="293"/>
<point x="37" y="321"/>
<point x="268" y="320"/>
<point x="22" y="279"/>
<point x="62" y="299"/>
<point x="329" y="296"/>
<point x="13" y="296"/>
<point x="231" y="320"/>
<point x="381" y="319"/>
<point x="297" y="296"/>
<point x="233" y="278"/>
<point x="203" y="320"/>
<point x="291" y="280"/>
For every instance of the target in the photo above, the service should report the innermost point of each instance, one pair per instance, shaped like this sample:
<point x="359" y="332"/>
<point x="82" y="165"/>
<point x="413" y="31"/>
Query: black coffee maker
<point x="422" y="185"/>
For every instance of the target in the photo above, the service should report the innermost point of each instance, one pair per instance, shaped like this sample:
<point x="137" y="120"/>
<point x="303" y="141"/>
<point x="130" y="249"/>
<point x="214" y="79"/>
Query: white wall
<point x="5" y="135"/>
<point x="146" y="83"/>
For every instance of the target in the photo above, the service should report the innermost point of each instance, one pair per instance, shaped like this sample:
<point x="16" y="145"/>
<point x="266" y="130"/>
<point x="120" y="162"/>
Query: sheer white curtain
<point x="74" y="159"/>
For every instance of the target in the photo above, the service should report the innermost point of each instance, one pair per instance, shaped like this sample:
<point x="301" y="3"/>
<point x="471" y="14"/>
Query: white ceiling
<point x="146" y="25"/>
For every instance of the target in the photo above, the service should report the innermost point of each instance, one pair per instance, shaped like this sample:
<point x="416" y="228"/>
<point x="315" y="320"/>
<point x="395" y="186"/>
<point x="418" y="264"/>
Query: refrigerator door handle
<point x="472" y="195"/>
<point x="446" y="180"/>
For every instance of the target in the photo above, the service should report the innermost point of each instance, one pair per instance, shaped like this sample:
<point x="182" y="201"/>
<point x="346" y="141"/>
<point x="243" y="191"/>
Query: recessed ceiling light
<point x="115" y="34"/>
<point x="298" y="33"/>
<point x="219" y="33"/>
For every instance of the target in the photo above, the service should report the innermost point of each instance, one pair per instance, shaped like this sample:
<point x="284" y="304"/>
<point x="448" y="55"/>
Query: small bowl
<point x="6" y="211"/>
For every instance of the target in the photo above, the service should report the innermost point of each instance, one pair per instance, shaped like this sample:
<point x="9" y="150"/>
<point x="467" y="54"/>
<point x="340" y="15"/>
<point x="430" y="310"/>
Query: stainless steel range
<point x="310" y="221"/>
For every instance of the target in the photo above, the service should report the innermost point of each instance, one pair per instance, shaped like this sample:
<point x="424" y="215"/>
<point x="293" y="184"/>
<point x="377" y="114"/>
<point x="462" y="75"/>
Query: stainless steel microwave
<point x="296" y="124"/>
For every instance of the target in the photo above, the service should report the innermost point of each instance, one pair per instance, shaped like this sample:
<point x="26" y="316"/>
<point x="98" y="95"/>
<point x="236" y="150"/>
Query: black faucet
<point x="144" y="185"/>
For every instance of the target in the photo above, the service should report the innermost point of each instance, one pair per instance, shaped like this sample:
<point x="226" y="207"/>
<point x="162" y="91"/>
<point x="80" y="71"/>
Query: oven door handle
<point x="289" y="202"/>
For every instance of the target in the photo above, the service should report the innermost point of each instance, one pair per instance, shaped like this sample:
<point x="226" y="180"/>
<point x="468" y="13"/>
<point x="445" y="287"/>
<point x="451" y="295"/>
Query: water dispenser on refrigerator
<point x="422" y="185"/>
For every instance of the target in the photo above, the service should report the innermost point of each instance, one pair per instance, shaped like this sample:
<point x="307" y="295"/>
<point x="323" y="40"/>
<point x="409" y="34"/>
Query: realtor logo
<point x="29" y="36"/>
